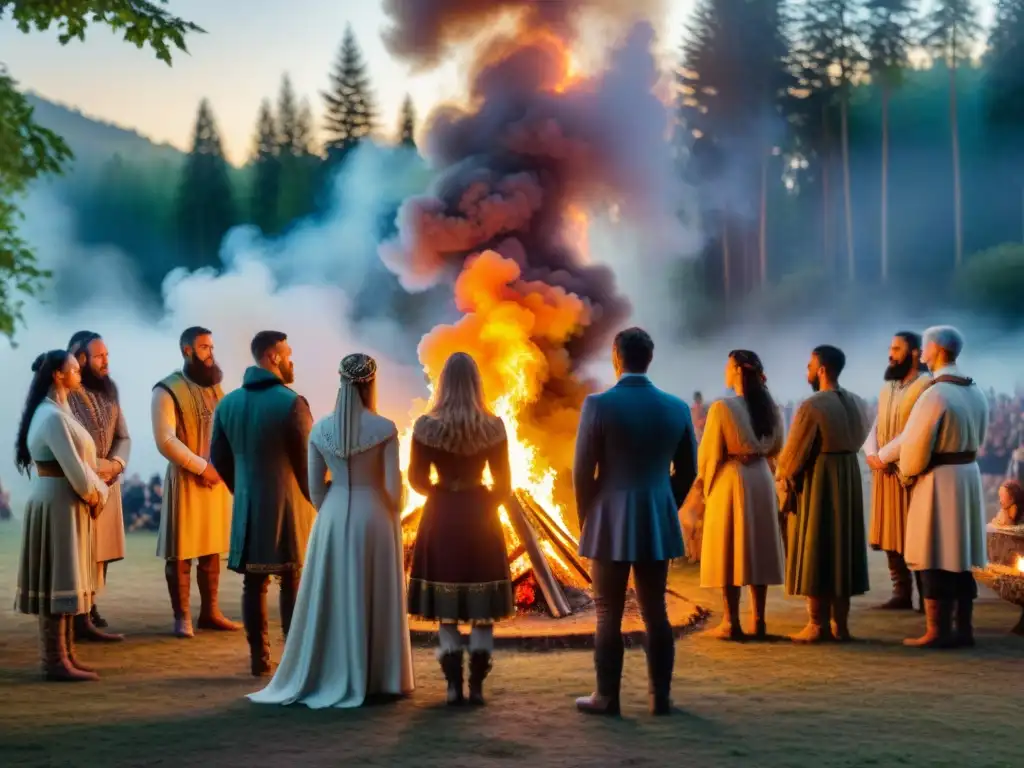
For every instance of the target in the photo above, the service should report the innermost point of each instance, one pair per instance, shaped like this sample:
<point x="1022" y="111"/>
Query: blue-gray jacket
<point x="636" y="458"/>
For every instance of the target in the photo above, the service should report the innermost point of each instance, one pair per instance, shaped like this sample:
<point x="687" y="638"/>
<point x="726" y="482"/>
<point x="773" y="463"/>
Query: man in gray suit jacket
<point x="636" y="458"/>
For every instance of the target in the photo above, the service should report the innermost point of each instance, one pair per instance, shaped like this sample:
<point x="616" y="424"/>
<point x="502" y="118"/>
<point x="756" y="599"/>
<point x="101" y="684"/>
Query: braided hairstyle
<point x="44" y="368"/>
<point x="760" y="404"/>
<point x="361" y="370"/>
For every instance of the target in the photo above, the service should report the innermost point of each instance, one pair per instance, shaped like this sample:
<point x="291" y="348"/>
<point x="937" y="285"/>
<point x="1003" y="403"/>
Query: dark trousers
<point x="948" y="585"/>
<point x="610" y="582"/>
<point x="254" y="608"/>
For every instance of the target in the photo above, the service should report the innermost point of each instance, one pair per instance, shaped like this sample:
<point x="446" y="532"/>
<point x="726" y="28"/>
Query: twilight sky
<point x="249" y="45"/>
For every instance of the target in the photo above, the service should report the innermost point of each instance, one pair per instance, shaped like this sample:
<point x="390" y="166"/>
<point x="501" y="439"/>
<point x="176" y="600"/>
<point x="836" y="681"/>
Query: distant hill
<point x="95" y="141"/>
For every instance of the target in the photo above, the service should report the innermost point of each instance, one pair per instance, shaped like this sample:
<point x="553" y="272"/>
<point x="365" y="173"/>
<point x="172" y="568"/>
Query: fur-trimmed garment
<point x="460" y="569"/>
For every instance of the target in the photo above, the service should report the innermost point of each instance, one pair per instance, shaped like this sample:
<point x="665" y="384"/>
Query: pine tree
<point x="287" y="120"/>
<point x="304" y="142"/>
<point x="351" y="112"/>
<point x="205" y="208"/>
<point x="829" y="57"/>
<point x="1004" y="65"/>
<point x="266" y="179"/>
<point x="886" y="33"/>
<point x="407" y="124"/>
<point x="952" y="30"/>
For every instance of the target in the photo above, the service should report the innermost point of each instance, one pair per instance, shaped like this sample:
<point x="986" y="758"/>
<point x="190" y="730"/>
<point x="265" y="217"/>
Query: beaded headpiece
<point x="358" y="368"/>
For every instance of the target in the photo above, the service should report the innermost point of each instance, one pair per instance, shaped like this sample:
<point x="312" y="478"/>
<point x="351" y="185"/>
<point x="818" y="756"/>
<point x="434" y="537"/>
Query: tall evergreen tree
<point x="886" y="33"/>
<point x="952" y="31"/>
<point x="1004" y="65"/>
<point x="304" y="141"/>
<point x="351" y="111"/>
<point x="266" y="178"/>
<point x="205" y="205"/>
<point x="287" y="120"/>
<point x="829" y="56"/>
<point x="407" y="124"/>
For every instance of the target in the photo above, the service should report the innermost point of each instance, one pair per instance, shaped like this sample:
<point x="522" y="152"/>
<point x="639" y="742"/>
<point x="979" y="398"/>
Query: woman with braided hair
<point x="742" y="544"/>
<point x="349" y="636"/>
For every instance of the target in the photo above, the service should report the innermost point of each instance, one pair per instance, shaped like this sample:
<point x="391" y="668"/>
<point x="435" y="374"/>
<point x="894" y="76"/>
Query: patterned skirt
<point x="460" y="569"/>
<point x="57" y="571"/>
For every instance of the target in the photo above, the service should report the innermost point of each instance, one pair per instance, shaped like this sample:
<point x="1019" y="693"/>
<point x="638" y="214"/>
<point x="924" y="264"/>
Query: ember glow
<point x="539" y="145"/>
<point x="1020" y="564"/>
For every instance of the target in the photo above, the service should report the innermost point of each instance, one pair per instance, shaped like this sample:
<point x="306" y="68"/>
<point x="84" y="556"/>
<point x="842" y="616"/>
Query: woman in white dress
<point x="349" y="637"/>
<point x="742" y="543"/>
<point x="56" y="577"/>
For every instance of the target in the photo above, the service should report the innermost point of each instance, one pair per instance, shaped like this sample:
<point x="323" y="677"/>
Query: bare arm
<point x="165" y="422"/>
<point x="586" y="464"/>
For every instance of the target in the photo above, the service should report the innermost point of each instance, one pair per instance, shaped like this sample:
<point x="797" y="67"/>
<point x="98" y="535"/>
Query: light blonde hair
<point x="460" y="414"/>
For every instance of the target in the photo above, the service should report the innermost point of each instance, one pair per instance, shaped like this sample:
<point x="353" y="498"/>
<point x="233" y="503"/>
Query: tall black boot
<point x="963" y="637"/>
<point x="451" y="665"/>
<point x="902" y="585"/>
<point x="254" y="616"/>
<point x="479" y="668"/>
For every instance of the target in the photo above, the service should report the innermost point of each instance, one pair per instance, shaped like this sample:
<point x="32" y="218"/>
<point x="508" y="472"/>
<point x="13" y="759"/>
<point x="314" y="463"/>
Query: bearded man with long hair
<point x="97" y="407"/>
<point x="195" y="516"/>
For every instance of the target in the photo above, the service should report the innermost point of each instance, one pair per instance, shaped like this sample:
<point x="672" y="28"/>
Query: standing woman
<point x="742" y="542"/>
<point x="460" y="570"/>
<point x="56" y="575"/>
<point x="350" y="631"/>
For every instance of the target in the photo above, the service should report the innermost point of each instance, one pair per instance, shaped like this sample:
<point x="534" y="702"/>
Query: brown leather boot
<point x="902" y="585"/>
<point x="451" y="665"/>
<point x="210" y="617"/>
<point x="938" y="615"/>
<point x="758" y="602"/>
<point x="56" y="666"/>
<point x="69" y="644"/>
<point x="818" y="629"/>
<point x="86" y="631"/>
<point x="841" y="619"/>
<point x="479" y="668"/>
<point x="730" y="628"/>
<point x="178" y="574"/>
<point x="964" y="635"/>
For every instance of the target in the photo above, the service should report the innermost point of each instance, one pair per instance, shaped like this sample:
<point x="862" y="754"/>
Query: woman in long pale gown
<point x="742" y="543"/>
<point x="349" y="637"/>
<point x="56" y="577"/>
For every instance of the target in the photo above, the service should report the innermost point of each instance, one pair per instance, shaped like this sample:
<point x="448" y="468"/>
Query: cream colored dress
<point x="350" y="633"/>
<point x="742" y="544"/>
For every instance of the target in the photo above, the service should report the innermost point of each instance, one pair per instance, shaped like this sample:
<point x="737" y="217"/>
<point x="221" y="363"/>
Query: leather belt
<point x="49" y="469"/>
<point x="956" y="459"/>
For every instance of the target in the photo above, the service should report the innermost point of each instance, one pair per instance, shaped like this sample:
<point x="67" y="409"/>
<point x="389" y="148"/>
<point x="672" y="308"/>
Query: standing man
<point x="260" y="443"/>
<point x="96" y="406"/>
<point x="195" y="514"/>
<point x="698" y="415"/>
<point x="636" y="458"/>
<point x="820" y="486"/>
<point x="890" y="499"/>
<point x="946" y="522"/>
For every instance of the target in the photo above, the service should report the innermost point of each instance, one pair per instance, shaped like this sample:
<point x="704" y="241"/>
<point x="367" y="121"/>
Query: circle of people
<point x="318" y="507"/>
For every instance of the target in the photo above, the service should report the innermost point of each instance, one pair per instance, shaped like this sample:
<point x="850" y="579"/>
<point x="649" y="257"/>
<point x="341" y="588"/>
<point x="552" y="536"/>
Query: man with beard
<point x="890" y="499"/>
<point x="96" y="406"/>
<point x="820" y="487"/>
<point x="259" y="446"/>
<point x="938" y="453"/>
<point x="195" y="515"/>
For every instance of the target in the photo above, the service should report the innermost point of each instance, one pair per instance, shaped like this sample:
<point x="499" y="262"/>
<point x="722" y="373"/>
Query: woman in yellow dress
<point x="742" y="545"/>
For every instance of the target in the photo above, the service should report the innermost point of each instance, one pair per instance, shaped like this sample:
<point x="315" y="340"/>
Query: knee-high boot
<point x="902" y="585"/>
<point x="818" y="628"/>
<point x="178" y="574"/>
<point x="210" y="616"/>
<point x="69" y="646"/>
<point x="254" y="616"/>
<point x="841" y="619"/>
<point x="56" y="665"/>
<point x="449" y="655"/>
<point x="758" y="603"/>
<point x="481" y="644"/>
<point x="730" y="628"/>
<point x="938" y="615"/>
<point x="86" y="631"/>
<point x="964" y="635"/>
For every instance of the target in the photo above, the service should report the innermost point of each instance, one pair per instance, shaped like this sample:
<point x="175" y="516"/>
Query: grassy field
<point x="164" y="701"/>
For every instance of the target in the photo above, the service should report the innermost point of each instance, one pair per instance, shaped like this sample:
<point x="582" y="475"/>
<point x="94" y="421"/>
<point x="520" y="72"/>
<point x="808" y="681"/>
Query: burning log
<point x="558" y="537"/>
<point x="555" y="598"/>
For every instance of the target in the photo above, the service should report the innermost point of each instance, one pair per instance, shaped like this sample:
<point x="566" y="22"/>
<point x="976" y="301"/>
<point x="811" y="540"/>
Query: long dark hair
<point x="44" y="367"/>
<point x="759" y="400"/>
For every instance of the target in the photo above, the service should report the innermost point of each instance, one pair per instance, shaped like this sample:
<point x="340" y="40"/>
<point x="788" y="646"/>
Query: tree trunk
<point x="885" y="182"/>
<point x="957" y="192"/>
<point x="762" y="242"/>
<point x="847" y="202"/>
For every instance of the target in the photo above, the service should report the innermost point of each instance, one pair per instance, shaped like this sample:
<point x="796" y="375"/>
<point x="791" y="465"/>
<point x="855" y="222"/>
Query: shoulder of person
<point x="381" y="424"/>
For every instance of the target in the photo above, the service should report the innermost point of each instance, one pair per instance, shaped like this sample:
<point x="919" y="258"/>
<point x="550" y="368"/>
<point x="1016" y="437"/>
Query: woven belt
<point x="49" y="469"/>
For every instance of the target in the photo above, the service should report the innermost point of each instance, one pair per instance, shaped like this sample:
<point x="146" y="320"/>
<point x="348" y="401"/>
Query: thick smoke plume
<point x="537" y="149"/>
